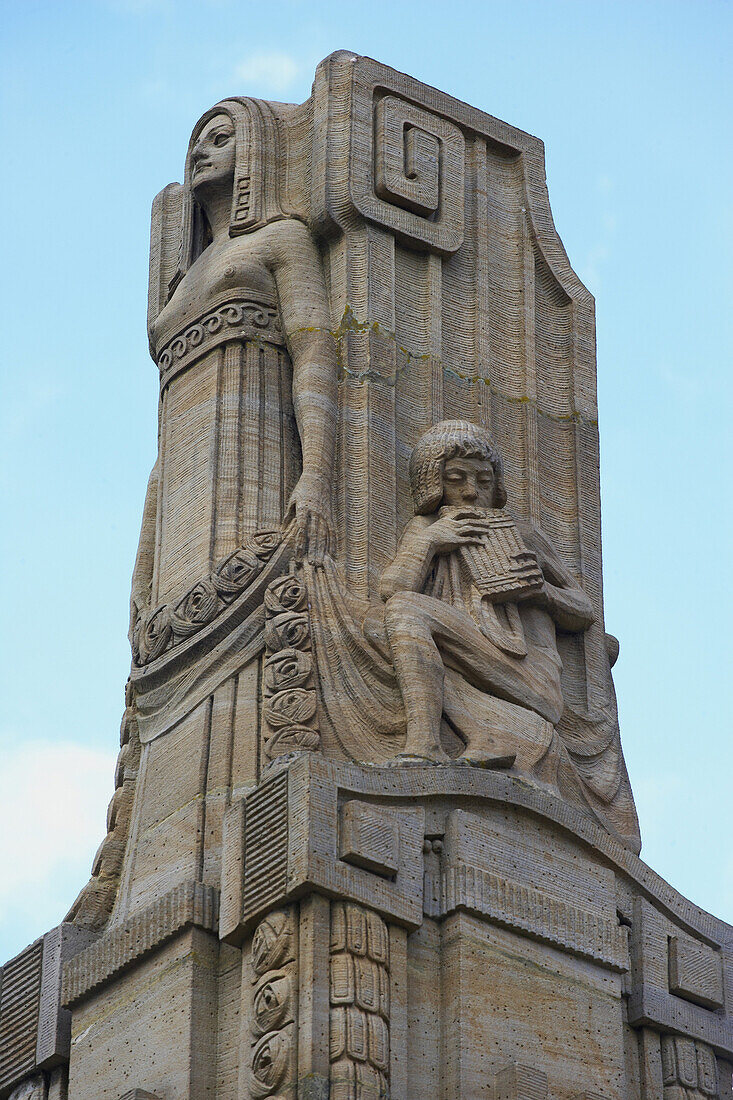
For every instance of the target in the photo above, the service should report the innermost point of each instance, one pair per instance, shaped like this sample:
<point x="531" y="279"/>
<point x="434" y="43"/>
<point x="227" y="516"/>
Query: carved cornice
<point x="464" y="782"/>
<point x="474" y="786"/>
<point x="534" y="913"/>
<point x="191" y="903"/>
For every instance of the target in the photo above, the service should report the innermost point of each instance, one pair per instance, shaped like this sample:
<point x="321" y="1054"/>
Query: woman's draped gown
<point x="229" y="459"/>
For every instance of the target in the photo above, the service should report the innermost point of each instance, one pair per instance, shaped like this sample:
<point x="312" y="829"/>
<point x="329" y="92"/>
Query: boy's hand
<point x="456" y="529"/>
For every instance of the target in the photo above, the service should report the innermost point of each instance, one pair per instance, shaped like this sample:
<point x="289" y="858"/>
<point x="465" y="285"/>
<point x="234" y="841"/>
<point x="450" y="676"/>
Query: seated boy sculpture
<point x="471" y="591"/>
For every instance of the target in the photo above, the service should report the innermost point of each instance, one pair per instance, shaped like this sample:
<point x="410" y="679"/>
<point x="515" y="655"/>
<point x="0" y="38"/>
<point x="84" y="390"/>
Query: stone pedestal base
<point x="414" y="932"/>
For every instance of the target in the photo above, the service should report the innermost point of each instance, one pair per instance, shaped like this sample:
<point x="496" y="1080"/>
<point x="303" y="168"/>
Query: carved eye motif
<point x="263" y="543"/>
<point x="286" y="594"/>
<point x="197" y="608"/>
<point x="292" y="739"/>
<point x="272" y="1004"/>
<point x="235" y="572"/>
<point x="287" y="631"/>
<point x="271" y="1059"/>
<point x="154" y="635"/>
<point x="291" y="705"/>
<point x="289" y="668"/>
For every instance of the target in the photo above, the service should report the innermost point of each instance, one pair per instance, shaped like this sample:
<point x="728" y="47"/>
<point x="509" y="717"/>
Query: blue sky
<point x="633" y="102"/>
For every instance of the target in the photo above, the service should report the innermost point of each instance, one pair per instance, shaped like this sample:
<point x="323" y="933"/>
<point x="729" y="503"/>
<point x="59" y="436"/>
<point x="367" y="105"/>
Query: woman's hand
<point x="310" y="508"/>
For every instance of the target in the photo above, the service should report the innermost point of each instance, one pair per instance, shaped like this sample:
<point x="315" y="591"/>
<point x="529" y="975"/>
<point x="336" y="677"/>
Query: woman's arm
<point x="142" y="574"/>
<point x="296" y="266"/>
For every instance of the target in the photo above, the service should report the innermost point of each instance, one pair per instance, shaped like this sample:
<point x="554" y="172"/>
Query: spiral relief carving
<point x="290" y="705"/>
<point x="286" y="594"/>
<point x="273" y="943"/>
<point x="271" y="1061"/>
<point x="235" y="573"/>
<point x="273" y="1003"/>
<point x="288" y="668"/>
<point x="152" y="635"/>
<point x="273" y="1019"/>
<point x="197" y="608"/>
<point x="289" y="629"/>
<point x="165" y="626"/>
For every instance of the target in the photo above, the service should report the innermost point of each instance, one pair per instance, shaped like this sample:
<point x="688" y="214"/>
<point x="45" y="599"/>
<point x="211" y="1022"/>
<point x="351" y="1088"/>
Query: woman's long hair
<point x="260" y="150"/>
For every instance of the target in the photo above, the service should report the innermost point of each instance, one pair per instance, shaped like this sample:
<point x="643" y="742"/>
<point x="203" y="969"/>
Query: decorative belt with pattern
<point x="234" y="319"/>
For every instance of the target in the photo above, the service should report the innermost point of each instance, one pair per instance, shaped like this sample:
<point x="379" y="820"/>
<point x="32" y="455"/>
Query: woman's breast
<point x="223" y="297"/>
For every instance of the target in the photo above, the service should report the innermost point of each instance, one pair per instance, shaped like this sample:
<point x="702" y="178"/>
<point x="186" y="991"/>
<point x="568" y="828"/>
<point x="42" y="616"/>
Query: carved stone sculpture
<point x="437" y="615"/>
<point x="372" y="834"/>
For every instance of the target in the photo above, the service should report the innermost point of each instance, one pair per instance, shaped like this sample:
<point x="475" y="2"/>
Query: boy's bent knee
<point x="405" y="613"/>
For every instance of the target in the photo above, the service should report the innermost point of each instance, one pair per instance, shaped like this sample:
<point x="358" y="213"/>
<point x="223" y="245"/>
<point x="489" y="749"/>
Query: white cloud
<point x="271" y="71"/>
<point x="53" y="803"/>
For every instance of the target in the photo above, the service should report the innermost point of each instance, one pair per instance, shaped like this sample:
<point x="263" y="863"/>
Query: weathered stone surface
<point x="34" y="1025"/>
<point x="192" y="903"/>
<point x="156" y="1024"/>
<point x="695" y="972"/>
<point x="370" y="705"/>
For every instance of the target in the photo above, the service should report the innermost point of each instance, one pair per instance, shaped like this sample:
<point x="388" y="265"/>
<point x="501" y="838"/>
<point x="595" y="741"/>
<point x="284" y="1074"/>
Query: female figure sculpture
<point x="239" y="328"/>
<point x="247" y="363"/>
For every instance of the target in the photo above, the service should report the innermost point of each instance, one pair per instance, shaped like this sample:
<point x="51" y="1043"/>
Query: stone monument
<point x="372" y="833"/>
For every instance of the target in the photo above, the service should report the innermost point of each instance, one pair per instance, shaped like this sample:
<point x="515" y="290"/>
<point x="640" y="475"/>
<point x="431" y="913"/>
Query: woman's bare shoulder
<point x="285" y="240"/>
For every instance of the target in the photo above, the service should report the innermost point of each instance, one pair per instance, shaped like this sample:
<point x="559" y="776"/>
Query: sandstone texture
<point x="372" y="834"/>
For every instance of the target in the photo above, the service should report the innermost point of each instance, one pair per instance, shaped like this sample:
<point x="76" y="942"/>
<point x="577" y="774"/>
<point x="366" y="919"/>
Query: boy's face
<point x="468" y="483"/>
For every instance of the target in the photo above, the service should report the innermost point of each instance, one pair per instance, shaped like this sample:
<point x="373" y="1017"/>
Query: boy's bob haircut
<point x="446" y="440"/>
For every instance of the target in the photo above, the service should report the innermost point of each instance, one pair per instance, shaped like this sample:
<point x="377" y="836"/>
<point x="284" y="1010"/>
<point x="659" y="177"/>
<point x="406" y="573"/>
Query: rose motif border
<point x="273" y="1024"/>
<point x="290" y="701"/>
<point x="163" y="628"/>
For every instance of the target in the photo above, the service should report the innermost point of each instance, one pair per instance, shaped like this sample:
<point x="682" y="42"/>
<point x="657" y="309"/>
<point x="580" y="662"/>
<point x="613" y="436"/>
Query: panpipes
<point x="500" y="566"/>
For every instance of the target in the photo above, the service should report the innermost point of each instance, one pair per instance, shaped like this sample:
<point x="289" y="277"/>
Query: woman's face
<point x="213" y="154"/>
